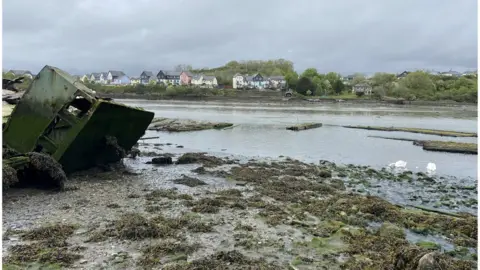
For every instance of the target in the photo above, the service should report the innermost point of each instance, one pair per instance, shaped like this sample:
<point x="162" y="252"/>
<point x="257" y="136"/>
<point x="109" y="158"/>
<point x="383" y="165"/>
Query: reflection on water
<point x="261" y="132"/>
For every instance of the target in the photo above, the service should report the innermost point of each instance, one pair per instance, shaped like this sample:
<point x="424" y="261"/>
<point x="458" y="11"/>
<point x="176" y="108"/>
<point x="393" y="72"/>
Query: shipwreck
<point x="60" y="117"/>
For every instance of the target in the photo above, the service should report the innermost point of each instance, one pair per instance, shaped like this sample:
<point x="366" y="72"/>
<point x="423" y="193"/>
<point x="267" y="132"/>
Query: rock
<point x="325" y="173"/>
<point x="179" y="146"/>
<point x="428" y="245"/>
<point x="338" y="184"/>
<point x="391" y="230"/>
<point x="326" y="163"/>
<point x="429" y="262"/>
<point x="134" y="153"/>
<point x="162" y="160"/>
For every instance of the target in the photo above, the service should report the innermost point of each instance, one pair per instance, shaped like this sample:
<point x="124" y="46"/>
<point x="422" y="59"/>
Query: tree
<point x="384" y="80"/>
<point x="152" y="82"/>
<point x="420" y="83"/>
<point x="327" y="86"/>
<point x="319" y="89"/>
<point x="292" y="79"/>
<point x="304" y="84"/>
<point x="310" y="73"/>
<point x="359" y="78"/>
<point x="183" y="67"/>
<point x="332" y="77"/>
<point x="338" y="86"/>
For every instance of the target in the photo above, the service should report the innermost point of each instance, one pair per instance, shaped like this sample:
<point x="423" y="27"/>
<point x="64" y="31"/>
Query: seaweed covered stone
<point x="42" y="171"/>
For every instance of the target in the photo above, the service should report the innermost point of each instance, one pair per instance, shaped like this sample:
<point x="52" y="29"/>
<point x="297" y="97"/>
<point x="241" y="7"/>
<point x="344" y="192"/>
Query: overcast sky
<point x="345" y="36"/>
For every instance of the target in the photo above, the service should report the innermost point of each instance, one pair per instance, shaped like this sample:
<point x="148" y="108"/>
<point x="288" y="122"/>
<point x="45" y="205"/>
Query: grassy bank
<point x="159" y="92"/>
<point x="446" y="133"/>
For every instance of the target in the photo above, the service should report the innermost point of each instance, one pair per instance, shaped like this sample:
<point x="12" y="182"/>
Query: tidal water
<point x="259" y="131"/>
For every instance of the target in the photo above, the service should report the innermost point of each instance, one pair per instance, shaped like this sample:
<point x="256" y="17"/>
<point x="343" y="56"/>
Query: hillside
<point x="225" y="73"/>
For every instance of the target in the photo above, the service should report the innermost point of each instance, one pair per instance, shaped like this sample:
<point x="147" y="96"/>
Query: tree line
<point x="416" y="85"/>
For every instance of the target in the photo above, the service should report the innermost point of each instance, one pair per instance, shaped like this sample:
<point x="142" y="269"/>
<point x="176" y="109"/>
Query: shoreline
<point x="275" y="98"/>
<point x="227" y="210"/>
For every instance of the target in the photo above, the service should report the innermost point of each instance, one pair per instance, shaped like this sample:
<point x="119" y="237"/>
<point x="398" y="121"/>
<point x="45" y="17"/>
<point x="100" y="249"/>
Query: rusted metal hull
<point x="61" y="117"/>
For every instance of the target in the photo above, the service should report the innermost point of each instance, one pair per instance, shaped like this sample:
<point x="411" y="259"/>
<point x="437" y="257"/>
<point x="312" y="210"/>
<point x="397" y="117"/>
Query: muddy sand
<point x="212" y="212"/>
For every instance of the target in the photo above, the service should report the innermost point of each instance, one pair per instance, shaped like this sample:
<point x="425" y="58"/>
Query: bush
<point x="304" y="85"/>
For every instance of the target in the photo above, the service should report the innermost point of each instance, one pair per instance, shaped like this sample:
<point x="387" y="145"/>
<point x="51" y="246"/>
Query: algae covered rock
<point x="47" y="167"/>
<point x="162" y="160"/>
<point x="428" y="262"/>
<point x="43" y="171"/>
<point x="9" y="176"/>
<point x="389" y="229"/>
<point x="428" y="245"/>
<point x="202" y="158"/>
<point x="325" y="173"/>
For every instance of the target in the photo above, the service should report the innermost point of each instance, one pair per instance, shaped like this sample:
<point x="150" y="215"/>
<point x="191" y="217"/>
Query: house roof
<point x="148" y="73"/>
<point x="170" y="73"/>
<point x="403" y="72"/>
<point x="105" y="74"/>
<point x="209" y="78"/>
<point x="20" y="72"/>
<point x="116" y="73"/>
<point x="96" y="75"/>
<point x="277" y="78"/>
<point x="189" y="74"/>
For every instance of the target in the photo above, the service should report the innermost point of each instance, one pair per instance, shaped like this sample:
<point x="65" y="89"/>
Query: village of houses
<point x="187" y="78"/>
<point x="239" y="81"/>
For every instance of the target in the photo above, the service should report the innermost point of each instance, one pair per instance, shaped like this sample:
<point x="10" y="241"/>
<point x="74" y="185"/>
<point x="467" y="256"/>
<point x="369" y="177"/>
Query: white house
<point x="95" y="77"/>
<point x="210" y="81"/>
<point x="277" y="82"/>
<point x="204" y="81"/>
<point x="362" y="88"/>
<point x="169" y="77"/>
<point x="85" y="77"/>
<point x="451" y="73"/>
<point x="135" y="80"/>
<point x="239" y="81"/>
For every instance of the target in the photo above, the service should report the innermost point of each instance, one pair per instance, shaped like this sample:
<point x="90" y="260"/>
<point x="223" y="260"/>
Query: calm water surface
<point x="260" y="131"/>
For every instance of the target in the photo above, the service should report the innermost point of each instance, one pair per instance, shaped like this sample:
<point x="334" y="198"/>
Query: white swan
<point x="401" y="164"/>
<point x="431" y="167"/>
<point x="398" y="166"/>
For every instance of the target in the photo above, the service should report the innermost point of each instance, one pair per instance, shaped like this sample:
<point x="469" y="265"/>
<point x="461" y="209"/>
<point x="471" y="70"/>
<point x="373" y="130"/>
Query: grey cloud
<point x="343" y="36"/>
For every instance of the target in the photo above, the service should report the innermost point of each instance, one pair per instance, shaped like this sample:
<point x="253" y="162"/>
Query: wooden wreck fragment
<point x="304" y="126"/>
<point x="443" y="133"/>
<point x="439" y="146"/>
